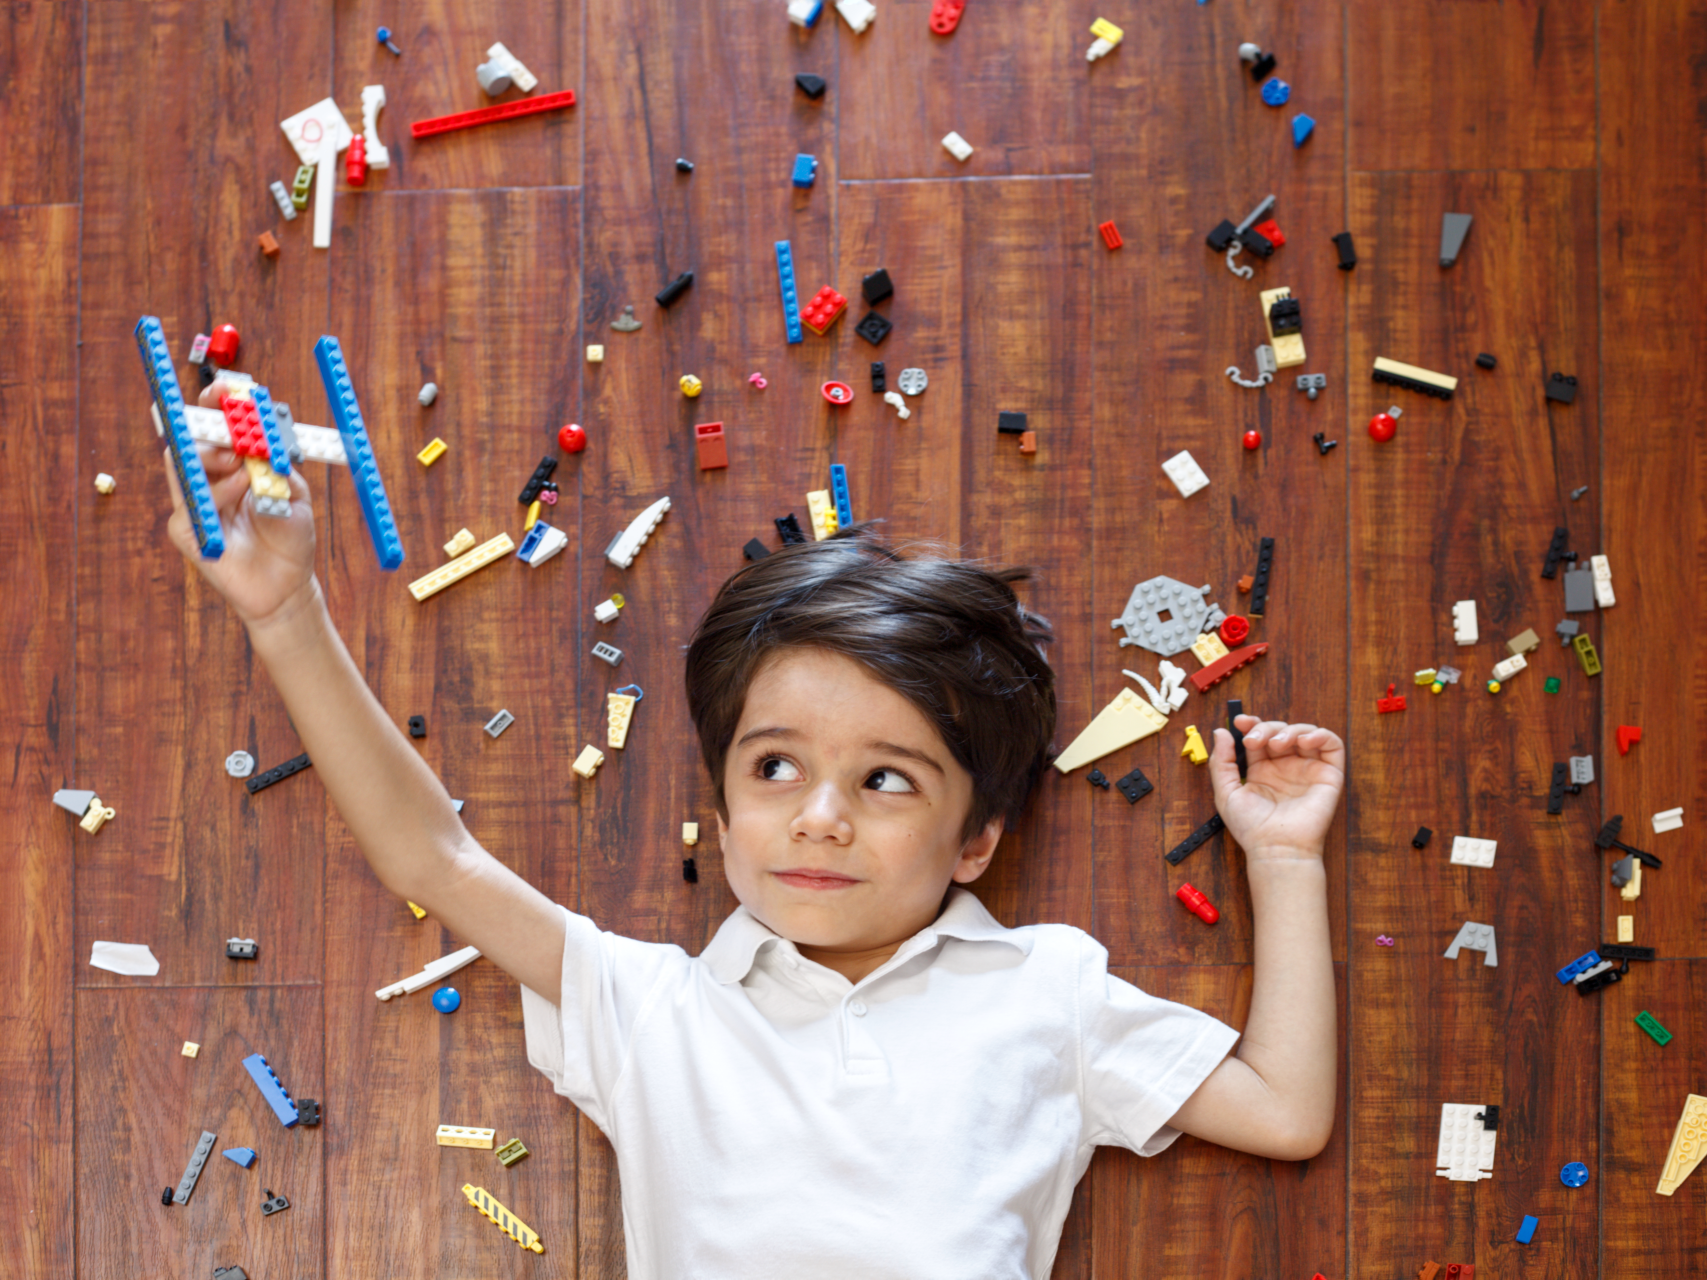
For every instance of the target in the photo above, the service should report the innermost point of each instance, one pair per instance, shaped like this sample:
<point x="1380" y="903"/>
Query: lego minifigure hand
<point x="1293" y="780"/>
<point x="268" y="560"/>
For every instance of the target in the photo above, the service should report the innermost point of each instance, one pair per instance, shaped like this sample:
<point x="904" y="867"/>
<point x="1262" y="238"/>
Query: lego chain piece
<point x="364" y="470"/>
<point x="443" y="967"/>
<point x="193" y="1170"/>
<point x="455" y="1135"/>
<point x="274" y="1092"/>
<point x="505" y="1221"/>
<point x="1466" y="1152"/>
<point x="1122" y="722"/>
<point x="626" y="545"/>
<point x="1477" y="937"/>
<point x="1688" y="1145"/>
<point x="169" y="404"/>
<point x="486" y="115"/>
<point x="461" y="567"/>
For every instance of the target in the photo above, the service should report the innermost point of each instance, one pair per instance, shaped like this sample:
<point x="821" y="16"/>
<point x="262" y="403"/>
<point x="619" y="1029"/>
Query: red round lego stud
<point x="1382" y="427"/>
<point x="1198" y="905"/>
<point x="571" y="439"/>
<point x="1234" y="630"/>
<point x="837" y="392"/>
<point x="1253" y="439"/>
<point x="222" y="346"/>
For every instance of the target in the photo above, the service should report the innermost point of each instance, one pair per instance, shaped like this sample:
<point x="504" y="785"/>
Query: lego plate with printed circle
<point x="1163" y="615"/>
<point x="912" y="381"/>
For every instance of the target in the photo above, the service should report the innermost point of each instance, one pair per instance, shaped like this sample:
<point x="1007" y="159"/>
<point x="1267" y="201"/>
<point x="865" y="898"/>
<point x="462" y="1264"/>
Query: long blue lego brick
<point x="271" y="1089"/>
<point x="839" y="492"/>
<point x="381" y="526"/>
<point x="192" y="476"/>
<point x="790" y="295"/>
<point x="278" y="455"/>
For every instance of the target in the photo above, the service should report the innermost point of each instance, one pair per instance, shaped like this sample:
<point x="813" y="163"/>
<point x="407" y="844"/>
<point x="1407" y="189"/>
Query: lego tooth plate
<point x="169" y="404"/>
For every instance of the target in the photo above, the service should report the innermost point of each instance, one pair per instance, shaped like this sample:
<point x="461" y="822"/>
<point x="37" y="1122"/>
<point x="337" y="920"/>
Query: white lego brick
<point x="957" y="146"/>
<point x="373" y="98"/>
<point x="1602" y="582"/>
<point x="626" y="545"/>
<point x="1466" y="1150"/>
<point x="1470" y="852"/>
<point x="309" y="129"/>
<point x="1477" y="937"/>
<point x="1464" y="622"/>
<point x="857" y="13"/>
<point x="550" y="544"/>
<point x="803" y="13"/>
<point x="325" y="178"/>
<point x="1668" y="820"/>
<point x="1183" y="470"/>
<point x="605" y="611"/>
<point x="520" y="76"/>
<point x="1510" y="667"/>
<point x="443" y="967"/>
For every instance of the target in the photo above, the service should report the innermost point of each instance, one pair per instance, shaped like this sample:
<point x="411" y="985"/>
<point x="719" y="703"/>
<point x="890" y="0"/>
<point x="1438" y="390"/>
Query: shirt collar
<point x="735" y="948"/>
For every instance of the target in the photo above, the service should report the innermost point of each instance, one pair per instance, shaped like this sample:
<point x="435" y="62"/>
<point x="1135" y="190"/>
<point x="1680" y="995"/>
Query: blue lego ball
<point x="446" y="1000"/>
<point x="1275" y="92"/>
<point x="1575" y="1174"/>
<point x="383" y="34"/>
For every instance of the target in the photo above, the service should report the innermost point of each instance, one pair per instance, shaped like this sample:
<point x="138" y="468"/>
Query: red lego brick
<point x="820" y="313"/>
<point x="1271" y="232"/>
<point x="1028" y="442"/>
<point x="945" y="16"/>
<point x="1110" y="236"/>
<point x="1390" y="702"/>
<point x="1218" y="671"/>
<point x="244" y="420"/>
<point x="708" y="440"/>
<point x="1628" y="736"/>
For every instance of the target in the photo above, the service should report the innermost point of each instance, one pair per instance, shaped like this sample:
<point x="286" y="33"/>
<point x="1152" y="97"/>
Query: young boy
<point x="864" y="1074"/>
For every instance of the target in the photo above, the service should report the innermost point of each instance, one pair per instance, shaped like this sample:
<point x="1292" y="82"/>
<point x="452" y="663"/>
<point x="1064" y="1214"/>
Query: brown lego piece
<point x="269" y="245"/>
<point x="1246" y="583"/>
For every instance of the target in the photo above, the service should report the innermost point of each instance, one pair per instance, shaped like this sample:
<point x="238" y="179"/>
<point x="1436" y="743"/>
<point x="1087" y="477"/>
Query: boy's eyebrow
<point x="891" y="748"/>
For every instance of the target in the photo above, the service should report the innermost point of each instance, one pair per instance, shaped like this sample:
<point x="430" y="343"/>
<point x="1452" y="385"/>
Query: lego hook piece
<point x="632" y="690"/>
<point x="1233" y="251"/>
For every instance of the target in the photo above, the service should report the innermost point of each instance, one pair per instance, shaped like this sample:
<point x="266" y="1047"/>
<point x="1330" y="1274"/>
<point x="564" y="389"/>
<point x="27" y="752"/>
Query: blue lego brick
<point x="1582" y="964"/>
<point x="1302" y="126"/>
<point x="1526" y="1232"/>
<point x="532" y="539"/>
<point x="381" y="526"/>
<point x="239" y="1155"/>
<point x="839" y="493"/>
<point x="192" y="476"/>
<point x="805" y="169"/>
<point x="790" y="296"/>
<point x="277" y="454"/>
<point x="271" y="1089"/>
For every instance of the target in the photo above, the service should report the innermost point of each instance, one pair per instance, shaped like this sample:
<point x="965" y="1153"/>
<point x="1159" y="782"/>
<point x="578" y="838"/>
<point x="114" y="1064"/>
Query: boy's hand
<point x="1293" y="780"/>
<point x="268" y="562"/>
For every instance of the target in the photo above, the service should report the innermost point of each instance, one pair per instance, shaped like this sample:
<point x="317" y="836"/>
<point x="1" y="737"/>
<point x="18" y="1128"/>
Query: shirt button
<point x="857" y="1009"/>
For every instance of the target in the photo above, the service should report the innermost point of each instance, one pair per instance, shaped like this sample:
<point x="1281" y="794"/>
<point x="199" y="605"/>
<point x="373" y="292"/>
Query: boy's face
<point x="845" y="808"/>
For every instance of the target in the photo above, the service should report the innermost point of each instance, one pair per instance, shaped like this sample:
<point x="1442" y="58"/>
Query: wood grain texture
<point x="41" y="47"/>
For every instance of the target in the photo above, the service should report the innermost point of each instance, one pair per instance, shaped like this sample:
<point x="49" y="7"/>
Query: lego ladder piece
<point x="193" y="1170"/>
<point x="1688" y="1145"/>
<point x="1477" y="937"/>
<point x="487" y="115"/>
<point x="364" y="470"/>
<point x="443" y="967"/>
<point x="502" y="1218"/>
<point x="1466" y="1150"/>
<point x="1219" y="670"/>
<point x="169" y="403"/>
<point x="274" y="1092"/>
<point x="462" y="566"/>
<point x="790" y="294"/>
<point x="1122" y="722"/>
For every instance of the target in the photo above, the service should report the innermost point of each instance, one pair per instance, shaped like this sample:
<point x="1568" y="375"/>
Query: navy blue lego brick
<point x="271" y="1089"/>
<point x="364" y="470"/>
<point x="790" y="295"/>
<point x="277" y="454"/>
<point x="192" y="477"/>
<point x="839" y="492"/>
<point x="805" y="169"/>
<point x="1582" y="964"/>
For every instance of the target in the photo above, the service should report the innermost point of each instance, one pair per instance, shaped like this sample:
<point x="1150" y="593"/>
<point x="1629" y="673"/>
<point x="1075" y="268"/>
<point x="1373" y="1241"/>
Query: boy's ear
<point x="722" y="834"/>
<point x="976" y="853"/>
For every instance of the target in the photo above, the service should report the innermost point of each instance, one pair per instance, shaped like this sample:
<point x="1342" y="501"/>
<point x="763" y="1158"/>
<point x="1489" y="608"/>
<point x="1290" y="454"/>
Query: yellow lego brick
<point x="1425" y="676"/>
<point x="690" y="833"/>
<point x="1194" y="749"/>
<point x="588" y="762"/>
<point x="264" y="482"/>
<point x="502" y="1218"/>
<point x="190" y="1049"/>
<point x="1121" y="723"/>
<point x="455" y="1135"/>
<point x="619" y="710"/>
<point x="462" y="542"/>
<point x="1626" y="928"/>
<point x="533" y="516"/>
<point x="461" y="567"/>
<point x="595" y="353"/>
<point x="822" y="513"/>
<point x="1208" y="649"/>
<point x="1633" y="888"/>
<point x="1688" y="1145"/>
<point x="1288" y="347"/>
<point x="96" y="816"/>
<point x="432" y="453"/>
<point x="420" y="913"/>
<point x="1103" y="29"/>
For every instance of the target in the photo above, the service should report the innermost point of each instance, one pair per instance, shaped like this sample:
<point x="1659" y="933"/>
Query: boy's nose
<point x="823" y="816"/>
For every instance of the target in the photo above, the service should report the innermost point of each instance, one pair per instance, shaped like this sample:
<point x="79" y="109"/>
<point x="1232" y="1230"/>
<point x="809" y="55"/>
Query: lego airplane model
<point x="265" y="437"/>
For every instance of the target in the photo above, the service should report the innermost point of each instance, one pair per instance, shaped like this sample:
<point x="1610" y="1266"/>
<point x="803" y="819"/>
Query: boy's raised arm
<point x="398" y="811"/>
<point x="1275" y="1096"/>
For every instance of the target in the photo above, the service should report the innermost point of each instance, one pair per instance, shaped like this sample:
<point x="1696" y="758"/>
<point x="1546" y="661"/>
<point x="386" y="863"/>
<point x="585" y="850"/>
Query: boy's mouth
<point x="813" y="878"/>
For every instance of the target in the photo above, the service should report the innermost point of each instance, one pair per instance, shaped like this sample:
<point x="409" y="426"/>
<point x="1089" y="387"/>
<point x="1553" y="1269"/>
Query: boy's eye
<point x="776" y="769"/>
<point x="889" y="780"/>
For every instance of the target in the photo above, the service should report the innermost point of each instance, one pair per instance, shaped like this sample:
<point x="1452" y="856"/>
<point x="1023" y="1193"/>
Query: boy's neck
<point x="852" y="965"/>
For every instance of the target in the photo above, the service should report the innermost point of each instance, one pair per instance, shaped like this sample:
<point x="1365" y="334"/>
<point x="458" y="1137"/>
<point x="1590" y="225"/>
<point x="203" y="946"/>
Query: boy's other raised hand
<point x="268" y="561"/>
<point x="1293" y="779"/>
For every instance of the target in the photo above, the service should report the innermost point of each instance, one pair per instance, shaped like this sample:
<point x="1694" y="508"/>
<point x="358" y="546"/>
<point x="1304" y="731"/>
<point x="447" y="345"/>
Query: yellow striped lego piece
<point x="461" y="567"/>
<point x="1688" y="1144"/>
<point x="502" y="1218"/>
<point x="455" y="1135"/>
<point x="619" y="711"/>
<point x="432" y="453"/>
<point x="822" y="514"/>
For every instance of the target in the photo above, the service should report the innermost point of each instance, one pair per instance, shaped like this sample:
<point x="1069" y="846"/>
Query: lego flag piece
<point x="1121" y="723"/>
<point x="1688" y="1145"/>
<point x="309" y="130"/>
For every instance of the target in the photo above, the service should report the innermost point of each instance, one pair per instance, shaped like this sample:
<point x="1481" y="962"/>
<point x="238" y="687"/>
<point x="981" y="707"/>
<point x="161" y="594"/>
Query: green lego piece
<point x="1551" y="684"/>
<point x="513" y="1150"/>
<point x="299" y="187"/>
<point x="1651" y="1025"/>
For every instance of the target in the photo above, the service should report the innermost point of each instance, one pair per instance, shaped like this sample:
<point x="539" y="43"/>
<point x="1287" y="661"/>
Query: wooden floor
<point x="133" y="179"/>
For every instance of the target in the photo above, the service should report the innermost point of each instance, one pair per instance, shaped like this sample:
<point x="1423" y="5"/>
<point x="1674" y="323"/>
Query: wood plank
<point x="41" y="513"/>
<point x="141" y="1105"/>
<point x="1463" y="85"/>
<point x="1462" y="504"/>
<point x="41" y="49"/>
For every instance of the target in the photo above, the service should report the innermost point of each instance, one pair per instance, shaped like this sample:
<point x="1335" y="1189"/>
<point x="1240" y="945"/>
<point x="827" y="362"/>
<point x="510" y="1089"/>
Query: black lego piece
<point x="1556" y="794"/>
<point x="1562" y="388"/>
<point x="1259" y="584"/>
<point x="1257" y="243"/>
<point x="1556" y="552"/>
<point x="1490" y="1117"/>
<point x="683" y="165"/>
<point x="417" y="726"/>
<point x="166" y="1197"/>
<point x="273" y="1204"/>
<point x="1235" y="708"/>
<point x="690" y="872"/>
<point x="307" y="1112"/>
<point x="1485" y="361"/>
<point x="1135" y="786"/>
<point x="537" y="480"/>
<point x="1098" y="778"/>
<point x="1347" y="252"/>
<point x="1323" y="444"/>
<point x="278" y="773"/>
<point x="755" y="550"/>
<point x="1624" y="951"/>
<point x="1222" y="236"/>
<point x="241" y="949"/>
<point x="675" y="289"/>
<point x="812" y="86"/>
<point x="1421" y="839"/>
<point x="1261" y="67"/>
<point x="208" y="374"/>
<point x="1194" y="841"/>
<point x="1010" y="424"/>
<point x="874" y="328"/>
<point x="1607" y="838"/>
<point x="877" y="286"/>
<point x="789" y="529"/>
<point x="879" y="378"/>
<point x="1605" y="978"/>
<point x="1286" y="316"/>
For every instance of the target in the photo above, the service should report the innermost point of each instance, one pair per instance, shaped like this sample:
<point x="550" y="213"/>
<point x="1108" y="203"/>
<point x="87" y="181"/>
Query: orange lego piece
<point x="269" y="245"/>
<point x="820" y="313"/>
<point x="1028" y="442"/>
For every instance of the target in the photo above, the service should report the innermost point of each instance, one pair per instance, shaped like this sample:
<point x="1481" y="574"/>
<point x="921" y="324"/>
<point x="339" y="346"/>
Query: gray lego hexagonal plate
<point x="1144" y="621"/>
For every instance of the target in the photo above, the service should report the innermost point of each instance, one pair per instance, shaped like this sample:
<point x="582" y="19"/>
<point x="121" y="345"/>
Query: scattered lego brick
<point x="1561" y="389"/>
<point x="1347" y="252"/>
<point x="1453" y="228"/>
<point x="825" y="308"/>
<point x="273" y="1204"/>
<point x="240" y="949"/>
<point x="190" y="1049"/>
<point x="1421" y="839"/>
<point x="710" y="450"/>
<point x="754" y="550"/>
<point x="1134" y="786"/>
<point x="452" y="1135"/>
<point x="268" y="244"/>
<point x="1110" y="235"/>
<point x="1192" y="843"/>
<point x="674" y="290"/>
<point x="1197" y="904"/>
<point x="417" y="726"/>
<point x="1628" y="736"/>
<point x="501" y="1217"/>
<point x="271" y="1090"/>
<point x="1526" y="1232"/>
<point x="1651" y="1025"/>
<point x="511" y="1152"/>
<point x="193" y="1170"/>
<point x="278" y="773"/>
<point x="588" y="762"/>
<point x="812" y="86"/>
<point x="498" y="723"/>
<point x="874" y="329"/>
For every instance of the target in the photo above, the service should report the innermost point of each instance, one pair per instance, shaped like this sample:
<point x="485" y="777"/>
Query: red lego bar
<point x="486" y="115"/>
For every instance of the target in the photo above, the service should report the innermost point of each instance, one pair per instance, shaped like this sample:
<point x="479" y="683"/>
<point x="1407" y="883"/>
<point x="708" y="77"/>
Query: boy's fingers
<point x="212" y="394"/>
<point x="1259" y="736"/>
<point x="1223" y="766"/>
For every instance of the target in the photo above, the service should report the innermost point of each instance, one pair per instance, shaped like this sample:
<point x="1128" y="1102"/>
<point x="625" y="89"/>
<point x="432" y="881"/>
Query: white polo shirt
<point x="772" y="1119"/>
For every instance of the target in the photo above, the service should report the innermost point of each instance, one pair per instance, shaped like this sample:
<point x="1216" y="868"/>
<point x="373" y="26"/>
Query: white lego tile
<point x="1470" y="852"/>
<point x="957" y="147"/>
<point x="1668" y="820"/>
<point x="1183" y="470"/>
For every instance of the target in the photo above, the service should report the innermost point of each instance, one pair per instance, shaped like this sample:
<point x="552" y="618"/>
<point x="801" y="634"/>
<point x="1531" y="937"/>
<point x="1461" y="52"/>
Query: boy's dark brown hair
<point x="950" y="636"/>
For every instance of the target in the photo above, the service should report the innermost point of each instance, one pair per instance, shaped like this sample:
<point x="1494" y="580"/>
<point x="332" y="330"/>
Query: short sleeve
<point x="581" y="1045"/>
<point x="1142" y="1056"/>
